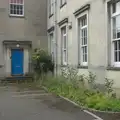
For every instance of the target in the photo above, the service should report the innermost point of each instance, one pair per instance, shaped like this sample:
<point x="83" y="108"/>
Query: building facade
<point x="86" y="34"/>
<point x="23" y="25"/>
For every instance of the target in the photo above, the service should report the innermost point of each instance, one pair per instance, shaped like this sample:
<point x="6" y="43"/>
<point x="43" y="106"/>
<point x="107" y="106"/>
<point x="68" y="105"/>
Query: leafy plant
<point x="91" y="80"/>
<point x="42" y="61"/>
<point x="42" y="64"/>
<point x="108" y="85"/>
<point x="83" y="96"/>
<point x="70" y="73"/>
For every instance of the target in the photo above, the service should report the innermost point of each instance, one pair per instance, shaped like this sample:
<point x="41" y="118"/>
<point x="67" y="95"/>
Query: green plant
<point x="108" y="85"/>
<point x="91" y="80"/>
<point x="42" y="63"/>
<point x="70" y="73"/>
<point x="85" y="97"/>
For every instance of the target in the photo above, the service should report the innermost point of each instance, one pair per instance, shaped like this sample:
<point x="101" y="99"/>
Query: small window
<point x="16" y="7"/>
<point x="64" y="45"/>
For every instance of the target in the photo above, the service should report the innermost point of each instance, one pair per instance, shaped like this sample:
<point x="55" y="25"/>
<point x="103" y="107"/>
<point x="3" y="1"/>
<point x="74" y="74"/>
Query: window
<point x="62" y="2"/>
<point x="83" y="40"/>
<point x="115" y="22"/>
<point x="16" y="7"/>
<point x="64" y="45"/>
<point x="51" y="7"/>
<point x="52" y="46"/>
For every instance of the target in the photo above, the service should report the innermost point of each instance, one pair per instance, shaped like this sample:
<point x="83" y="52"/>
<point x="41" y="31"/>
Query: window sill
<point x="63" y="5"/>
<point x="50" y="15"/>
<point x="17" y="16"/>
<point x="64" y="65"/>
<point x="113" y="68"/>
<point x="82" y="67"/>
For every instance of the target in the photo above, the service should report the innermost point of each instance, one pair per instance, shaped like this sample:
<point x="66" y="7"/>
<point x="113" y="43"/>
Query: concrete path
<point x="37" y="105"/>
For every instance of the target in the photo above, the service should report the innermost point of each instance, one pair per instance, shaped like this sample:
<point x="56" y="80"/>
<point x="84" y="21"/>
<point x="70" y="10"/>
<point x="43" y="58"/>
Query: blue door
<point x="17" y="61"/>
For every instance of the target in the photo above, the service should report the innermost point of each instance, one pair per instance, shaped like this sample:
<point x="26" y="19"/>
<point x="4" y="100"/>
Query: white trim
<point x="113" y="62"/>
<point x="62" y="45"/>
<point x="16" y="15"/>
<point x="52" y="51"/>
<point x="79" y="40"/>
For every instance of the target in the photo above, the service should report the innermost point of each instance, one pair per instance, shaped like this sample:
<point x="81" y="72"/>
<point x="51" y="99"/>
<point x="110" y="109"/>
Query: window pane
<point x="118" y="33"/>
<point x="21" y="12"/>
<point x="115" y="45"/>
<point x="119" y="55"/>
<point x="17" y="11"/>
<point x="64" y="42"/>
<point x="85" y="57"/>
<point x="65" y="56"/>
<point x="14" y="11"/>
<point x="118" y="26"/>
<point x="20" y="1"/>
<point x="114" y="7"/>
<point x="11" y="6"/>
<point x="118" y="7"/>
<point x="115" y="56"/>
<point x="119" y="45"/>
<point x="12" y="1"/>
<point x="85" y="49"/>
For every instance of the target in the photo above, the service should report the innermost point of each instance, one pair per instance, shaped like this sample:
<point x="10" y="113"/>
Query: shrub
<point x="42" y="62"/>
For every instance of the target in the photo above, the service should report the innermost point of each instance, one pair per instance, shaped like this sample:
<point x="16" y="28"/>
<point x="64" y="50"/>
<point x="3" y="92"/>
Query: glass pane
<point x="86" y="49"/>
<point x="14" y="11"/>
<point x="85" y="57"/>
<point x="21" y="7"/>
<point x="20" y="1"/>
<point x="119" y="45"/>
<point x="115" y="56"/>
<point x="119" y="56"/>
<point x="114" y="7"/>
<point x="85" y="40"/>
<point x="11" y="12"/>
<point x="65" y="57"/>
<point x="64" y="42"/>
<point x="82" y="41"/>
<point x="83" y="50"/>
<point x="85" y="32"/>
<point x="118" y="33"/>
<point x="118" y="7"/>
<point x="114" y="28"/>
<point x="12" y="1"/>
<point x="118" y="26"/>
<point x="115" y="45"/>
<point x="15" y="7"/>
<point x="17" y="11"/>
<point x="21" y="12"/>
<point x="11" y="6"/>
<point x="82" y="33"/>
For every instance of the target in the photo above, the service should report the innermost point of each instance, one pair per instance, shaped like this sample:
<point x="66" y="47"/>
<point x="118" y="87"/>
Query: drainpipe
<point x="56" y="36"/>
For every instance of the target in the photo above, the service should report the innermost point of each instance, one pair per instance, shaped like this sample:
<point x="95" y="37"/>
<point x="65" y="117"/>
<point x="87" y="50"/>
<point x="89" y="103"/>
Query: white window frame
<point x="80" y="53"/>
<point x="51" y="7"/>
<point x="63" y="50"/>
<point x="16" y="4"/>
<point x="51" y="44"/>
<point x="113" y="62"/>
